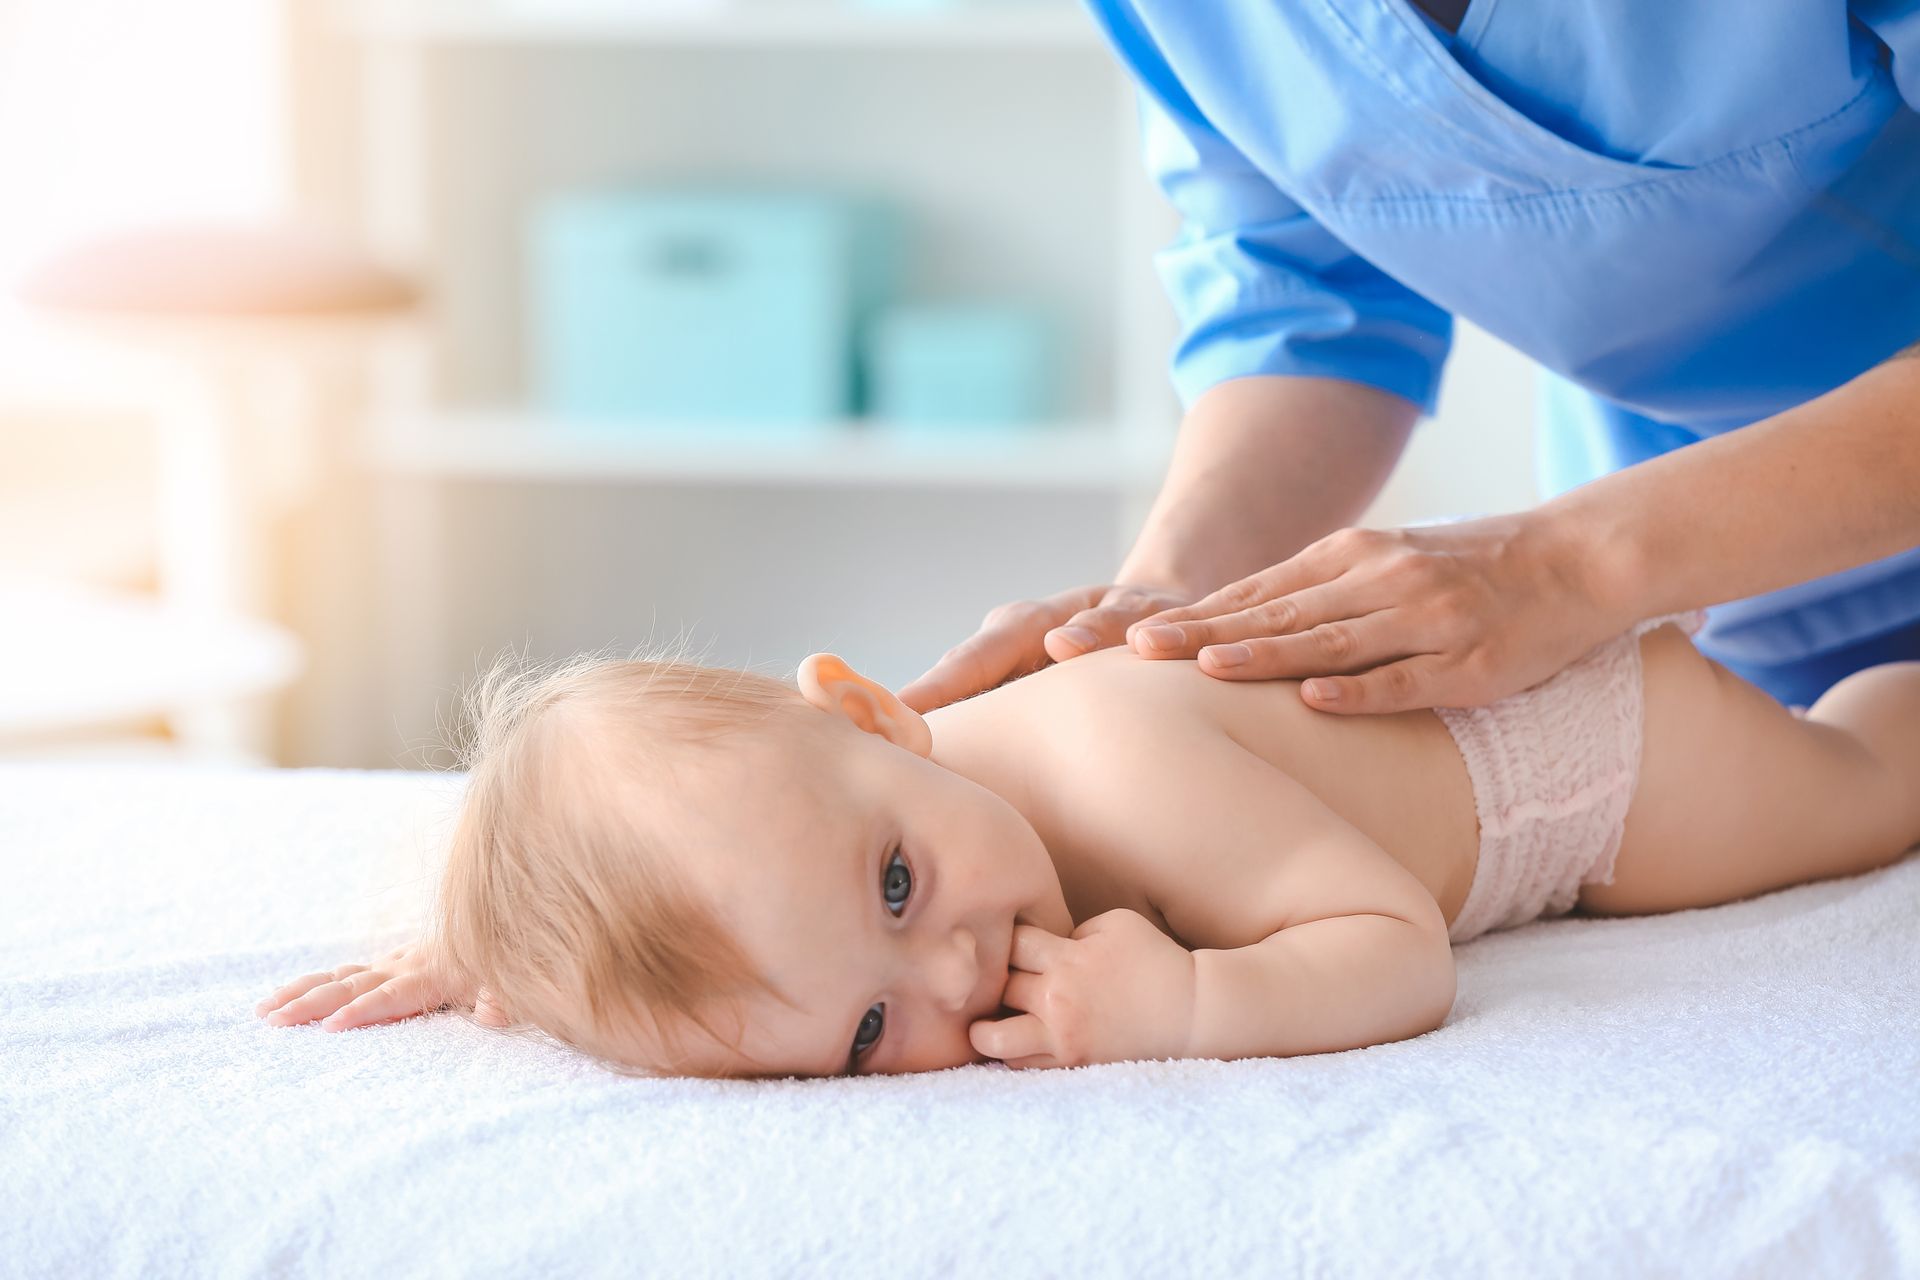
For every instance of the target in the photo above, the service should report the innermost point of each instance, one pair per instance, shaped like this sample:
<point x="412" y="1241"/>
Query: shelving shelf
<point x="526" y="446"/>
<point x="794" y="25"/>
<point x="540" y="84"/>
<point x="1107" y="451"/>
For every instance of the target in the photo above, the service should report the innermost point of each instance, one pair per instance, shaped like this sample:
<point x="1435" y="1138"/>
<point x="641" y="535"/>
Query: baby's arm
<point x="1343" y="982"/>
<point x="1307" y="936"/>
<point x="398" y="985"/>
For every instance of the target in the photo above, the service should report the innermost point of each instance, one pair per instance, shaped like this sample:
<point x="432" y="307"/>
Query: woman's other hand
<point x="1451" y="615"/>
<point x="1022" y="637"/>
<point x="398" y="985"/>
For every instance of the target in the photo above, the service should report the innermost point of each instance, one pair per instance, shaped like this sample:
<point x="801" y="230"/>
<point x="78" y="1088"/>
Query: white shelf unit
<point x="504" y="445"/>
<point x="1008" y="128"/>
<point x="401" y="37"/>
<point x="794" y="24"/>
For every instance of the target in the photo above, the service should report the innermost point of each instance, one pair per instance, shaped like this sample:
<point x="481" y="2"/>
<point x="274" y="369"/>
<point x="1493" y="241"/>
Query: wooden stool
<point x="240" y="331"/>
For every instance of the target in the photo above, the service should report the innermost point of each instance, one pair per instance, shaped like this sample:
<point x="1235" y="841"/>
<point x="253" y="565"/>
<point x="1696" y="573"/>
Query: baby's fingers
<point x="1010" y="1039"/>
<point x="326" y="998"/>
<point x="388" y="1002"/>
<point x="300" y="986"/>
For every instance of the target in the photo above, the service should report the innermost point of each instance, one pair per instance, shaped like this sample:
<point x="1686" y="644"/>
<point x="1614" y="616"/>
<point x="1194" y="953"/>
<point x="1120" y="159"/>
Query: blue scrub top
<point x="1692" y="215"/>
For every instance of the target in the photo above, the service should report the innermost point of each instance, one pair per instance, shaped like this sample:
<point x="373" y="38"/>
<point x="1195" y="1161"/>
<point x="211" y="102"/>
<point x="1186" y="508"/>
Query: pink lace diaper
<point x="1553" y="770"/>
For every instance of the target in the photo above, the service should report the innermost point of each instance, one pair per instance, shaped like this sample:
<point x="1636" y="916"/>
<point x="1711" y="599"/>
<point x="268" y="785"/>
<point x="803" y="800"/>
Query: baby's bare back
<point x="1399" y="779"/>
<point x="1735" y="796"/>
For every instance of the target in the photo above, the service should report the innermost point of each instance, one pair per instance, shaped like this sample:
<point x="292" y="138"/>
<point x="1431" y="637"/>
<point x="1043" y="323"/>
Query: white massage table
<point x="1733" y="1092"/>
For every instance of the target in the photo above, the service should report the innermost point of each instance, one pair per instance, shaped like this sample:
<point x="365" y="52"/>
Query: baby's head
<point x="700" y="871"/>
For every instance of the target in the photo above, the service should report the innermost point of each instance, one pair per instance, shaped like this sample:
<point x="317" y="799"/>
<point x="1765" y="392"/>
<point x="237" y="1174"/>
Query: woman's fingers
<point x="975" y="665"/>
<point x="1105" y="624"/>
<point x="1397" y="686"/>
<point x="1309" y="568"/>
<point x="1328" y="602"/>
<point x="1010" y="642"/>
<point x="1345" y="646"/>
<point x="302" y="985"/>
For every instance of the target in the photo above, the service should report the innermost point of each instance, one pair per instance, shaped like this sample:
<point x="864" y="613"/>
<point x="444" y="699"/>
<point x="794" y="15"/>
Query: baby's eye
<point x="896" y="884"/>
<point x="869" y="1030"/>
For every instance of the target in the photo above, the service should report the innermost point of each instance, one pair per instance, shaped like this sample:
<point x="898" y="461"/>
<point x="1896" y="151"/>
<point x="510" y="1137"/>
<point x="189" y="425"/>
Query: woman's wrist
<point x="1264" y="465"/>
<point x="1813" y="490"/>
<point x="1155" y="564"/>
<point x="1595" y="549"/>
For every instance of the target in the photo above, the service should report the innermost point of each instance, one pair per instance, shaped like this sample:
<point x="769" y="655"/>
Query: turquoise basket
<point x="697" y="304"/>
<point x="956" y="365"/>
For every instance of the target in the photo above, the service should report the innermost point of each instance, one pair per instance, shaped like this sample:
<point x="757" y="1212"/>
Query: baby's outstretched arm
<point x="398" y="985"/>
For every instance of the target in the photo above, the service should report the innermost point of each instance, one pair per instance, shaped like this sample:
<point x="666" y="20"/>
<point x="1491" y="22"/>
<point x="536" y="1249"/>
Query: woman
<point x="1701" y="219"/>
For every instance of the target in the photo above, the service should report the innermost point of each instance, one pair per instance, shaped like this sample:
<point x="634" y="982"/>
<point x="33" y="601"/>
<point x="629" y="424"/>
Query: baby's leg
<point x="1738" y="797"/>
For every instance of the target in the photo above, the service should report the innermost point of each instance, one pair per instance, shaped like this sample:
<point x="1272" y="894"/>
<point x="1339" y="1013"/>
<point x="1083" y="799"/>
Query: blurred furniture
<point x="649" y="299"/>
<point x="984" y="365"/>
<point x="75" y="661"/>
<point x="1006" y="137"/>
<point x="240" y="338"/>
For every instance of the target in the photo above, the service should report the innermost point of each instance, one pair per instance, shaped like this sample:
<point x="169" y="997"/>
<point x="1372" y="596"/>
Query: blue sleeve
<point x="1897" y="24"/>
<point x="1257" y="285"/>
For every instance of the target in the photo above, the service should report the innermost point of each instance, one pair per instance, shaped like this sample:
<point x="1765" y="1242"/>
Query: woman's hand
<point x="1020" y="638"/>
<point x="1118" y="990"/>
<point x="396" y="986"/>
<point x="1452" y="615"/>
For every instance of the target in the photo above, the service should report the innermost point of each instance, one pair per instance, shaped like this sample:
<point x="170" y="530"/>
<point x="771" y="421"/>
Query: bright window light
<point x="117" y="114"/>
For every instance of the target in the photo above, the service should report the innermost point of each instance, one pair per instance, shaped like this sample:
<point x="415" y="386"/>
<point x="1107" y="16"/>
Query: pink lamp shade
<point x="268" y="269"/>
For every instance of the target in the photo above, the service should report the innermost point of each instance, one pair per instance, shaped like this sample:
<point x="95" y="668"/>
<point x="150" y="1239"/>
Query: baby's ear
<point x="836" y="688"/>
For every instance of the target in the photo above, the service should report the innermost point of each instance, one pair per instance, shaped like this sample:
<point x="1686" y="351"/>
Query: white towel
<point x="1723" y="1092"/>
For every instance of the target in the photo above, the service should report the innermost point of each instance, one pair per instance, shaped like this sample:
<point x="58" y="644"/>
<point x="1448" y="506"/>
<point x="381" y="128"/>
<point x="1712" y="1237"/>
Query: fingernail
<point x="1323" y="691"/>
<point x="1164" y="637"/>
<point x="1078" y="637"/>
<point x="1227" y="655"/>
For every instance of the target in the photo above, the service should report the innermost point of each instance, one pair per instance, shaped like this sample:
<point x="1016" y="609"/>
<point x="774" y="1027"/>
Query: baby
<point x="694" y="871"/>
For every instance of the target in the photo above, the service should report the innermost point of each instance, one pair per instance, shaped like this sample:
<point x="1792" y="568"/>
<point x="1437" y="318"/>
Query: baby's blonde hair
<point x="561" y="897"/>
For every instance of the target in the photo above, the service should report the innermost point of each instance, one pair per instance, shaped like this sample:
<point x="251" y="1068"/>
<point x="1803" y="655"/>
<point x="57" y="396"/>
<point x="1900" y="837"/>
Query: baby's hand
<point x="395" y="986"/>
<point x="1116" y="991"/>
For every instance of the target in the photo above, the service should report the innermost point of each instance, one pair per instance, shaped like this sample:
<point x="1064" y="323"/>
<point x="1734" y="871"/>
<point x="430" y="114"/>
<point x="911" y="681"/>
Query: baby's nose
<point x="953" y="971"/>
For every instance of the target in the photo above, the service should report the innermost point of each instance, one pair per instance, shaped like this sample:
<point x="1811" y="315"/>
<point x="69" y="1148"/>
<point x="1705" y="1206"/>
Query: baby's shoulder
<point x="1112" y="698"/>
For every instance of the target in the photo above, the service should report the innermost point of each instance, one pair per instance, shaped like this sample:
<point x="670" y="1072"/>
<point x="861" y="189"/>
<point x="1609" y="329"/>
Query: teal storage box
<point x="965" y="363"/>
<point x="704" y="304"/>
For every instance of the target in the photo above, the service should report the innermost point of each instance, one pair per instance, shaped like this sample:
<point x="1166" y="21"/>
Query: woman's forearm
<point x="1263" y="466"/>
<point x="1822" y="487"/>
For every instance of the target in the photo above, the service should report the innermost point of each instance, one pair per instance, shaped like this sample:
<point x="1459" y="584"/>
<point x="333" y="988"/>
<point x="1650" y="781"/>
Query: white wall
<point x="1475" y="456"/>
